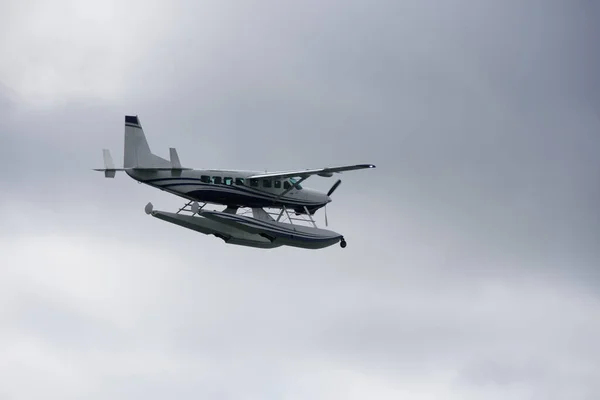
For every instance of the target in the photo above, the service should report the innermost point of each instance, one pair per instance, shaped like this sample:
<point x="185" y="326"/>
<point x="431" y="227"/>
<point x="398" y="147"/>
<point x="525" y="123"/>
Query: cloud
<point x="129" y="319"/>
<point x="471" y="266"/>
<point x="66" y="50"/>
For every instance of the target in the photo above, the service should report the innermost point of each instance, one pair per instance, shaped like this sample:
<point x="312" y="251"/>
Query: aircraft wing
<point x="328" y="171"/>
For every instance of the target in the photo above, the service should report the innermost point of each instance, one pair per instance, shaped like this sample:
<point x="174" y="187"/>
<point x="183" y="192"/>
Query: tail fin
<point x="137" y="152"/>
<point x="138" y="155"/>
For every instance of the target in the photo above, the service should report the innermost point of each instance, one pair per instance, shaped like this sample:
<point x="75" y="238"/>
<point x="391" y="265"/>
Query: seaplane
<point x="261" y="209"/>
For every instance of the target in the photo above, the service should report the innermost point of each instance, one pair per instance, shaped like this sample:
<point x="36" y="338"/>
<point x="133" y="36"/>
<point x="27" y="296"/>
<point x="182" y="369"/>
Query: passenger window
<point x="286" y="185"/>
<point x="228" y="180"/>
<point x="267" y="183"/>
<point x="205" y="178"/>
<point x="239" y="181"/>
<point x="277" y="184"/>
<point x="217" y="180"/>
<point x="253" y="182"/>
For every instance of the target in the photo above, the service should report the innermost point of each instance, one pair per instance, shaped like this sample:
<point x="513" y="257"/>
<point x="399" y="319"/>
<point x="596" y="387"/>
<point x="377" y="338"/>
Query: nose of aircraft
<point x="316" y="196"/>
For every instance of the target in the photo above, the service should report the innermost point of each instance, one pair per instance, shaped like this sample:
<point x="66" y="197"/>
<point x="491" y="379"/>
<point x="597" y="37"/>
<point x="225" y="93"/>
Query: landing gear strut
<point x="343" y="243"/>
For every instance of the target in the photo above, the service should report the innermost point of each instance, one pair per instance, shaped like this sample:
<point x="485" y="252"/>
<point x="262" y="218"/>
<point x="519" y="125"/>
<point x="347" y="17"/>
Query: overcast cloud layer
<point x="472" y="266"/>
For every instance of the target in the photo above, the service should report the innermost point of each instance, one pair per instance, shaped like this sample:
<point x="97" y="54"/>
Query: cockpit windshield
<point x="294" y="183"/>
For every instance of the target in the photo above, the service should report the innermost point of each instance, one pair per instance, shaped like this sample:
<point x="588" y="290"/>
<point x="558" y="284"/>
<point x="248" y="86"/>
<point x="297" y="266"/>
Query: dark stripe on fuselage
<point x="181" y="181"/>
<point x="230" y="195"/>
<point x="240" y="190"/>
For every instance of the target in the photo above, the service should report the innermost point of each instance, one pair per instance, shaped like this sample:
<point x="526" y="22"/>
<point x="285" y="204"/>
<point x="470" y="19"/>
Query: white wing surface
<point x="327" y="172"/>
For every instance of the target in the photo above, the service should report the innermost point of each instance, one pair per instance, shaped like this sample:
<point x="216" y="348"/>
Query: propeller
<point x="335" y="185"/>
<point x="329" y="193"/>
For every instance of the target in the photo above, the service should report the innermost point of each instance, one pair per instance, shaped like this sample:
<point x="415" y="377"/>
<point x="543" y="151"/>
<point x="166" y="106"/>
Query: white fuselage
<point x="233" y="189"/>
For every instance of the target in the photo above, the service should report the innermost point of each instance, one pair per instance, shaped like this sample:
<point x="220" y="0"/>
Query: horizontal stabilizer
<point x="110" y="170"/>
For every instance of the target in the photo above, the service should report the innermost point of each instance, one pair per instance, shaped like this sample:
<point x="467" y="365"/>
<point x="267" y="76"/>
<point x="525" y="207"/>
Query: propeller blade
<point x="326" y="224"/>
<point x="335" y="185"/>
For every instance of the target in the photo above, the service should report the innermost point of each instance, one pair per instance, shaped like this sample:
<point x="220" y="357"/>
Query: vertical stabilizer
<point x="137" y="153"/>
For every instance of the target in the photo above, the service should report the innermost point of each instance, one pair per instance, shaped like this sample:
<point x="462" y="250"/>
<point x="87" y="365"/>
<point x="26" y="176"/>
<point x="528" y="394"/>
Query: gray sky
<point x="471" y="270"/>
